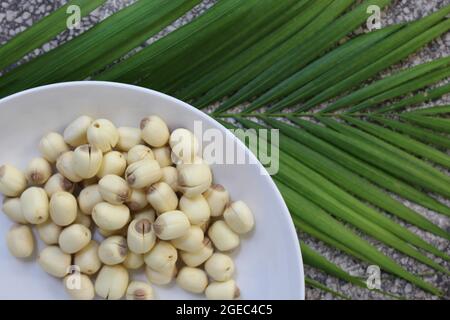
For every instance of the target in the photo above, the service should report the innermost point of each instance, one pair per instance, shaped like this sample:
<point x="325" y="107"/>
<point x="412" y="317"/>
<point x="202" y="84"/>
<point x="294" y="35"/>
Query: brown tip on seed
<point x="237" y="292"/>
<point x="66" y="184"/>
<point x="35" y="176"/>
<point x="218" y="187"/>
<point x="131" y="179"/>
<point x="96" y="125"/>
<point x="2" y="171"/>
<point x="158" y="228"/>
<point x="123" y="248"/>
<point x="143" y="226"/>
<point x="207" y="242"/>
<point x="144" y="123"/>
<point x="133" y="205"/>
<point x="140" y="294"/>
<point x="124" y="195"/>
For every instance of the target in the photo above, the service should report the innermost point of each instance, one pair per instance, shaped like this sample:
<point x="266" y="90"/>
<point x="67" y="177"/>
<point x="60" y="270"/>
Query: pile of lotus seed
<point x="150" y="197"/>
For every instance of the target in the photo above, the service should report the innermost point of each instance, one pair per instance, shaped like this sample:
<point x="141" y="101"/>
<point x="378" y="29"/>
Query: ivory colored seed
<point x="87" y="160"/>
<point x="239" y="217"/>
<point x="65" y="166"/>
<point x="63" y="208"/>
<point x="114" y="189"/>
<point x="141" y="237"/>
<point x="161" y="278"/>
<point x="38" y="171"/>
<point x="171" y="225"/>
<point x="87" y="259"/>
<point x="110" y="217"/>
<point x="49" y="232"/>
<point x="192" y="241"/>
<point x="194" y="259"/>
<point x="74" y="238"/>
<point x="196" y="209"/>
<point x="103" y="134"/>
<point x="113" y="163"/>
<point x="35" y="205"/>
<point x="138" y="290"/>
<point x="54" y="261"/>
<point x="154" y="131"/>
<point x="128" y="138"/>
<point x="12" y="181"/>
<point x="170" y="176"/>
<point x="143" y="173"/>
<point x="227" y="290"/>
<point x="11" y="207"/>
<point x="138" y="153"/>
<point x="83" y="219"/>
<point x="222" y="236"/>
<point x="113" y="250"/>
<point x="79" y="287"/>
<point x="184" y="144"/>
<point x="58" y="183"/>
<point x="112" y="282"/>
<point x="76" y="132"/>
<point x="163" y="156"/>
<point x="162" y="198"/>
<point x="89" y="197"/>
<point x="52" y="145"/>
<point x="192" y="279"/>
<point x="137" y="200"/>
<point x="162" y="257"/>
<point x="133" y="260"/>
<point x="20" y="241"/>
<point x="218" y="198"/>
<point x="220" y="267"/>
<point x="194" y="179"/>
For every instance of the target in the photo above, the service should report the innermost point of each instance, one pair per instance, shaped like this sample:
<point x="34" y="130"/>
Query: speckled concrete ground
<point x="16" y="15"/>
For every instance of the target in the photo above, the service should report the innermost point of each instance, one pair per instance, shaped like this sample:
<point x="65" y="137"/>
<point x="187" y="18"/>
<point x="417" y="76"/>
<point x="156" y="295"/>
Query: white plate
<point x="268" y="262"/>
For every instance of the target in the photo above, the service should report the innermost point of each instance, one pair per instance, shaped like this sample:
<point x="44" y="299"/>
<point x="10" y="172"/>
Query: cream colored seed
<point x="163" y="156"/>
<point x="222" y="290"/>
<point x="194" y="259"/>
<point x="110" y="217"/>
<point x="223" y="237"/>
<point x="58" y="183"/>
<point x="218" y="198"/>
<point x="112" y="282"/>
<point x="196" y="209"/>
<point x="184" y="144"/>
<point x="141" y="237"/>
<point x="79" y="287"/>
<point x="65" y="166"/>
<point x="162" y="257"/>
<point x="128" y="138"/>
<point x="170" y="176"/>
<point x="194" y="179"/>
<point x="11" y="207"/>
<point x="74" y="238"/>
<point x="49" y="232"/>
<point x="133" y="260"/>
<point x="171" y="225"/>
<point x="12" y="181"/>
<point x="89" y="197"/>
<point x="192" y="279"/>
<point x="137" y="200"/>
<point x="83" y="219"/>
<point x="20" y="241"/>
<point x="138" y="153"/>
<point x="161" y="278"/>
<point x="87" y="161"/>
<point x="192" y="241"/>
<point x="34" y="204"/>
<point x="76" y="133"/>
<point x="149" y="214"/>
<point x="63" y="208"/>
<point x="143" y="173"/>
<point x="87" y="259"/>
<point x="54" y="261"/>
<point x="138" y="290"/>
<point x="154" y="131"/>
<point x="113" y="250"/>
<point x="162" y="198"/>
<point x="220" y="267"/>
<point x="113" y="163"/>
<point x="239" y="217"/>
<point x="38" y="171"/>
<point x="103" y="134"/>
<point x="114" y="189"/>
<point x="52" y="145"/>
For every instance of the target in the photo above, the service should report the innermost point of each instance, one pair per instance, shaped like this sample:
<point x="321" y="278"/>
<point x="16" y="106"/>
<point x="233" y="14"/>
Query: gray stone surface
<point x="17" y="15"/>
